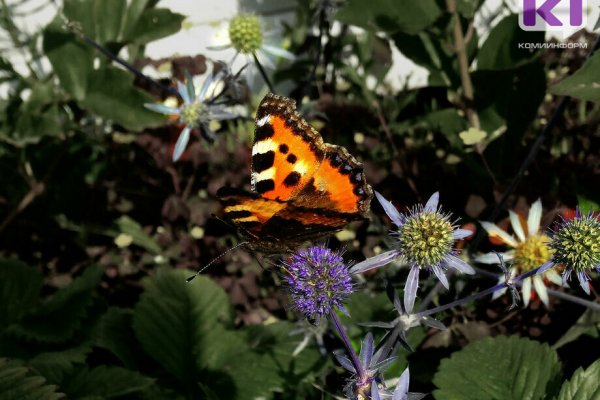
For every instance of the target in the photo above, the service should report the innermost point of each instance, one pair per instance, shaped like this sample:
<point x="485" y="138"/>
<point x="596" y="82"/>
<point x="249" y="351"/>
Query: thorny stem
<point x="360" y="371"/>
<point x="561" y="295"/>
<point x="477" y="295"/>
<point x="529" y="159"/>
<point x="77" y="31"/>
<point x="263" y="73"/>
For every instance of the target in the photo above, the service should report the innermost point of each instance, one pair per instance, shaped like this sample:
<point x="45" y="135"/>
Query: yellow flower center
<point x="426" y="238"/>
<point x="245" y="34"/>
<point x="532" y="253"/>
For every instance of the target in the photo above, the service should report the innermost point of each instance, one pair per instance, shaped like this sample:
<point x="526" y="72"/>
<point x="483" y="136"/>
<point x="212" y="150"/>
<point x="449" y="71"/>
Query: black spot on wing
<point x="265" y="185"/>
<point x="263" y="161"/>
<point x="291" y="158"/>
<point x="263" y="132"/>
<point x="283" y="148"/>
<point x="292" y="179"/>
<point x="238" y="214"/>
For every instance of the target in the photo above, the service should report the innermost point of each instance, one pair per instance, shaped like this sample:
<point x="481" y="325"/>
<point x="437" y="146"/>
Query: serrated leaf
<point x="113" y="332"/>
<point x="587" y="324"/>
<point x="54" y="365"/>
<point x="17" y="382"/>
<point x="110" y="94"/>
<point x="58" y="319"/>
<point x="390" y="15"/>
<point x="105" y="382"/>
<point x="584" y="84"/>
<point x="153" y="24"/>
<point x="174" y="320"/>
<point x="583" y="385"/>
<point x="501" y="50"/>
<point x="496" y="369"/>
<point x="20" y="287"/>
<point x="71" y="60"/>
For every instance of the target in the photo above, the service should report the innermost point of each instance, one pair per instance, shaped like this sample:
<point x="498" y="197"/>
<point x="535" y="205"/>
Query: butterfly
<point x="301" y="187"/>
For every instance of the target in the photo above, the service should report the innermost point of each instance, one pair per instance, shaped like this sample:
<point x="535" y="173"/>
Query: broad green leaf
<point x="587" y="324"/>
<point x="497" y="369"/>
<point x="108" y="18"/>
<point x="583" y="385"/>
<point x="130" y="227"/>
<point x="58" y="319"/>
<point x="153" y="24"/>
<point x="71" y="59"/>
<point x="174" y="321"/>
<point x="113" y="332"/>
<point x="584" y="84"/>
<point x="105" y="382"/>
<point x="54" y="365"/>
<point x="39" y="114"/>
<point x="449" y="123"/>
<point x="501" y="50"/>
<point x="20" y="287"/>
<point x="18" y="382"/>
<point x="265" y="367"/>
<point x="390" y="15"/>
<point x="111" y="94"/>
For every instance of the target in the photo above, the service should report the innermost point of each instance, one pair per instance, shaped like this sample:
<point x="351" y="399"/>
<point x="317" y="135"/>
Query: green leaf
<point x="390" y="15"/>
<point x="501" y="51"/>
<point x="449" y="123"/>
<point x="58" y="319"/>
<point x="584" y="384"/>
<point x="105" y="382"/>
<point x="54" y="365"/>
<point x="71" y="59"/>
<point x="20" y="287"/>
<point x="584" y="84"/>
<point x="587" y="324"/>
<point x="174" y="321"/>
<point x="130" y="227"/>
<point x="497" y="368"/>
<point x="111" y="95"/>
<point x="153" y="24"/>
<point x="19" y="383"/>
<point x="113" y="332"/>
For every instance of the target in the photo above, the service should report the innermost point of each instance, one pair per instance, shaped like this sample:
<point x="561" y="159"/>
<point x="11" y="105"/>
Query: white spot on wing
<point x="300" y="167"/>
<point x="264" y="146"/>
<point x="264" y="120"/>
<point x="266" y="174"/>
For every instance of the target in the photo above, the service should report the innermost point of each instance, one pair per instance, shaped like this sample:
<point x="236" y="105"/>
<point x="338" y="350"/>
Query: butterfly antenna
<point x="215" y="259"/>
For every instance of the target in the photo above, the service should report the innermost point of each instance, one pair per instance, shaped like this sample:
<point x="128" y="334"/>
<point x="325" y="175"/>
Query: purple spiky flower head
<point x="318" y="281"/>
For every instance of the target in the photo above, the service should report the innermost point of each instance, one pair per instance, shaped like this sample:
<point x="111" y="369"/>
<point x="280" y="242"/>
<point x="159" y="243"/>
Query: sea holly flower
<point x="318" y="281"/>
<point x="576" y="245"/>
<point x="529" y="250"/>
<point x="247" y="37"/>
<point x="197" y="111"/>
<point x="424" y="239"/>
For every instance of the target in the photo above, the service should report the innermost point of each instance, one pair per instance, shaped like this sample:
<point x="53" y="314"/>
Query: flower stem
<point x="477" y="295"/>
<point x="263" y="73"/>
<point x="360" y="371"/>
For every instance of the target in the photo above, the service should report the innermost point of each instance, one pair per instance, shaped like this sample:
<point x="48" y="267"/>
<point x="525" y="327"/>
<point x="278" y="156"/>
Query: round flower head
<point x="318" y="281"/>
<point x="245" y="34"/>
<point x="197" y="110"/>
<point x="576" y="245"/>
<point x="530" y="249"/>
<point x="425" y="239"/>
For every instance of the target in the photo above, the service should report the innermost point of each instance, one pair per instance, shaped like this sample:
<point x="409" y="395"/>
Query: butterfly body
<point x="302" y="187"/>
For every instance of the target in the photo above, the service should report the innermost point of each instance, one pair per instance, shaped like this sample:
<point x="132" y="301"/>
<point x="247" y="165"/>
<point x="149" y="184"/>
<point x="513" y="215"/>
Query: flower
<point x="576" y="245"/>
<point x="424" y="238"/>
<point x="530" y="250"/>
<point x="318" y="281"/>
<point x="370" y="362"/>
<point x="247" y="37"/>
<point x="196" y="111"/>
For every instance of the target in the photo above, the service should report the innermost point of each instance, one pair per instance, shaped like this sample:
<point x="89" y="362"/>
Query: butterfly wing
<point x="287" y="151"/>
